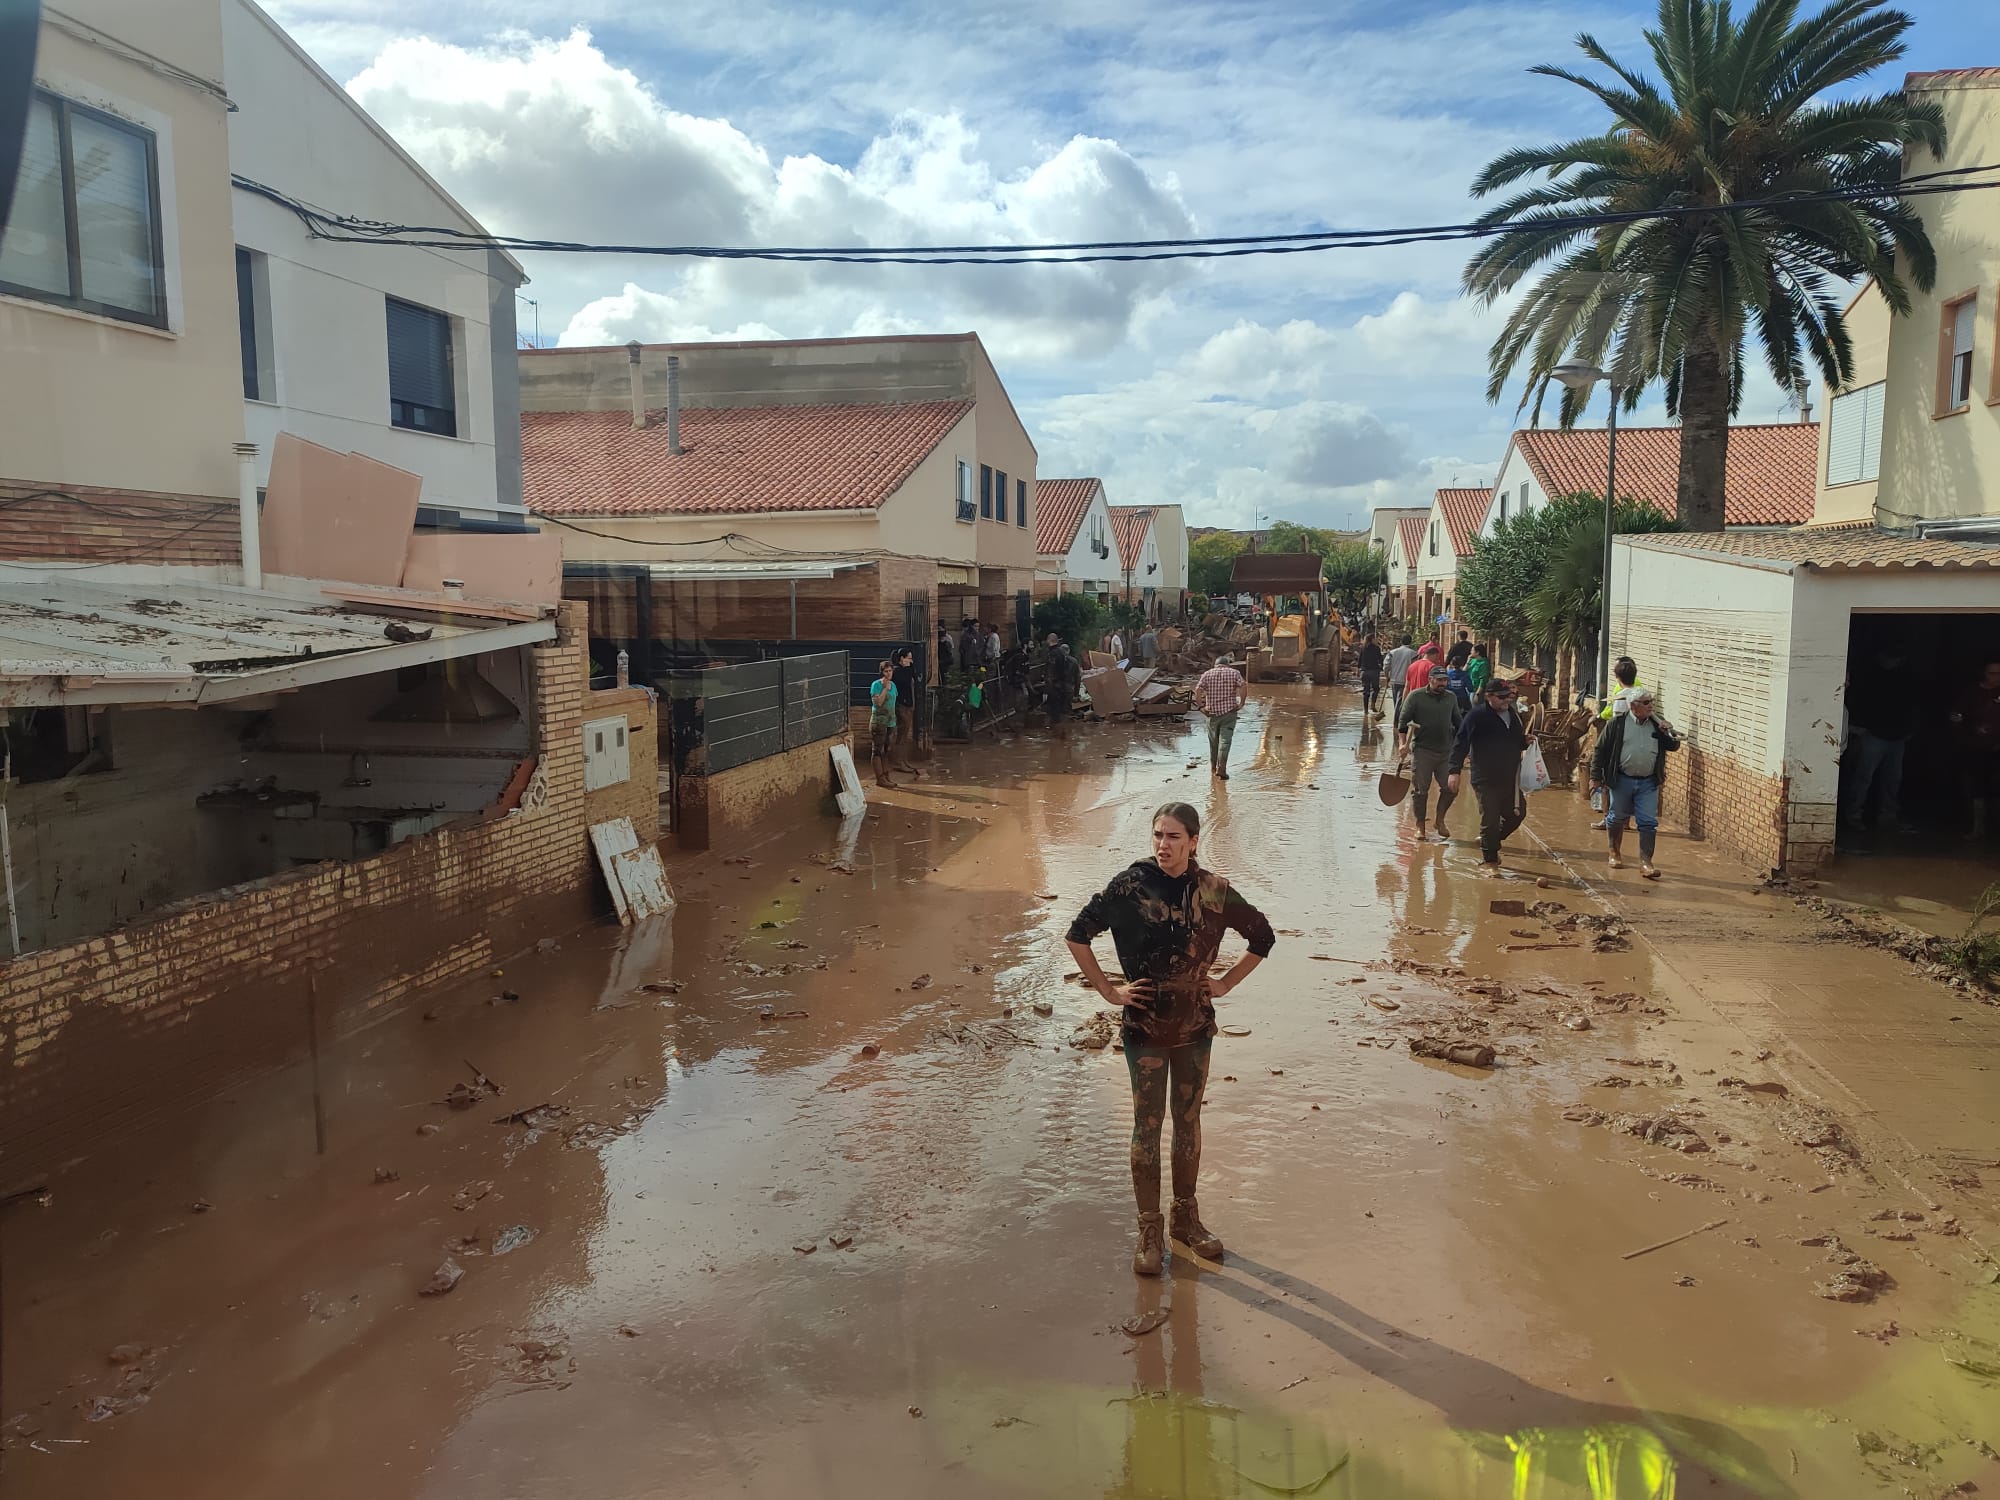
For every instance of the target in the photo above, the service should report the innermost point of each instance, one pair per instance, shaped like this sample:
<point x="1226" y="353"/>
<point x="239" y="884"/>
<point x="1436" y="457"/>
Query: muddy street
<point x="817" y="1188"/>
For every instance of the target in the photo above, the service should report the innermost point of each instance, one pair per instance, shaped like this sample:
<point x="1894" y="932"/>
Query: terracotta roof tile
<point x="1832" y="548"/>
<point x="1464" y="513"/>
<point x="1954" y="78"/>
<point x="1411" y="530"/>
<point x="1768" y="482"/>
<point x="1129" y="525"/>
<point x="1060" y="505"/>
<point x="733" y="459"/>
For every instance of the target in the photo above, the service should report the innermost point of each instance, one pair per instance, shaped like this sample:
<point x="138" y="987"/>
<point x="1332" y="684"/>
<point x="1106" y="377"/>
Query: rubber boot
<point x="1189" y="1230"/>
<point x="1152" y="1249"/>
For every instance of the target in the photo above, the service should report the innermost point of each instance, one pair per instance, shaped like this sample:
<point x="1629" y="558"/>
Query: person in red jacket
<point x="1420" y="669"/>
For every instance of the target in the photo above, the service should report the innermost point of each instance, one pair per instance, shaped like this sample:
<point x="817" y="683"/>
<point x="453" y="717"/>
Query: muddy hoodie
<point x="1168" y="929"/>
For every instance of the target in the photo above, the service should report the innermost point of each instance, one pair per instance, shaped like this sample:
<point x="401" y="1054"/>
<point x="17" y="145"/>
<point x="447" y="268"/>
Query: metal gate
<point x="917" y="628"/>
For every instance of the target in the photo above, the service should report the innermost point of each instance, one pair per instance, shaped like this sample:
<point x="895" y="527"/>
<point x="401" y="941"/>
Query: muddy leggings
<point x="1164" y="1078"/>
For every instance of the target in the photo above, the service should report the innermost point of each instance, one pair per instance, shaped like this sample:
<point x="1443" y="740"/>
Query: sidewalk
<point x="1902" y="1058"/>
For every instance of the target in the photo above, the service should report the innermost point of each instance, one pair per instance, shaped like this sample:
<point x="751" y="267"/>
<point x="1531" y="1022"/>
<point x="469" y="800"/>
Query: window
<point x="253" y="324"/>
<point x="85" y="230"/>
<point x="1524" y="497"/>
<point x="1955" y="350"/>
<point x="1503" y="505"/>
<point x="1000" y="496"/>
<point x="422" y="384"/>
<point x="1854" y="435"/>
<point x="966" y="509"/>
<point x="1021" y="503"/>
<point x="1434" y="539"/>
<point x="986" y="492"/>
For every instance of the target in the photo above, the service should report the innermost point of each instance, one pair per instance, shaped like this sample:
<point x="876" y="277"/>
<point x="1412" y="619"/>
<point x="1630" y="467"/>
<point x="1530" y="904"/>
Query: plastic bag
<point x="1599" y="800"/>
<point x="1534" y="770"/>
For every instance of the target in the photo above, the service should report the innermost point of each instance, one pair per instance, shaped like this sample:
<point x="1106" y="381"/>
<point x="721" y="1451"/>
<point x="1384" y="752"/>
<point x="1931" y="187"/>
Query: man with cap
<point x="1219" y="693"/>
<point x="1631" y="759"/>
<point x="1057" y="686"/>
<point x="1493" y="737"/>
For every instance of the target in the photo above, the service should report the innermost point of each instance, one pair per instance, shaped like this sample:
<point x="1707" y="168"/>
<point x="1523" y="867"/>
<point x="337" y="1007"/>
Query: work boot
<point x="1152" y="1245"/>
<point x="1189" y="1231"/>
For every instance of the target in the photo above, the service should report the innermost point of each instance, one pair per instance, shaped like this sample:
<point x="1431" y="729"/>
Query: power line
<point x="323" y="224"/>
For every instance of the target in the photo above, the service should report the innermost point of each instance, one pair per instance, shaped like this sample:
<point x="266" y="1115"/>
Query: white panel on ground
<point x="850" y="799"/>
<point x="645" y="881"/>
<point x="611" y="838"/>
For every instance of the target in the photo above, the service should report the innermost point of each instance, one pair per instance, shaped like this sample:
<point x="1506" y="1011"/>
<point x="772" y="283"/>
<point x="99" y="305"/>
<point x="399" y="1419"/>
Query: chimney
<point x="638" y="380"/>
<point x="673" y="403"/>
<point x="246" y="516"/>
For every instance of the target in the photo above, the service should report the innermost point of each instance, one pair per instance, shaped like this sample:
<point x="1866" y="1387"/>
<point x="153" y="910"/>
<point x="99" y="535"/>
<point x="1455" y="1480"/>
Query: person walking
<point x="1429" y="727"/>
<point x="1166" y="916"/>
<point x="1461" y="651"/>
<point x="993" y="647"/>
<point x="1149" y="646"/>
<point x="1396" y="669"/>
<point x="1882" y="714"/>
<point x="947" y="654"/>
<point x="1219" y="693"/>
<point x="1478" y="669"/>
<point x="882" y="722"/>
<point x="1631" y="760"/>
<point x="1114" y="643"/>
<point x="1058" y="691"/>
<point x="1494" y="738"/>
<point x="1975" y="722"/>
<point x="905" y="677"/>
<point x="1370" y="661"/>
<point x="1419" y="673"/>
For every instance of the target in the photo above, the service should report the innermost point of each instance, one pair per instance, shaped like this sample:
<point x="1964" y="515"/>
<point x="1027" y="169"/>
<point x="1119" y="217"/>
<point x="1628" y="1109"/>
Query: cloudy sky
<point x="1313" y="387"/>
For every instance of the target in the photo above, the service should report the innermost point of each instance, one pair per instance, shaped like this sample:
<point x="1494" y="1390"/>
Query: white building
<point x="1074" y="546"/>
<point x="405" y="355"/>
<point x="1170" y="538"/>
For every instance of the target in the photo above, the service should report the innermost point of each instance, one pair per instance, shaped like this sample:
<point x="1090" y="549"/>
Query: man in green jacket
<point x="1428" y="723"/>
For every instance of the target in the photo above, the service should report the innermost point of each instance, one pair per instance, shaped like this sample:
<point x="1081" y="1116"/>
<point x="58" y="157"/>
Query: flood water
<point x="742" y="1258"/>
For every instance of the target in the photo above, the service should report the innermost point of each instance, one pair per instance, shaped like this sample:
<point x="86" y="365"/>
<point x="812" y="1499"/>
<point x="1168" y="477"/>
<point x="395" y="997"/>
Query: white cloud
<point x="536" y="131"/>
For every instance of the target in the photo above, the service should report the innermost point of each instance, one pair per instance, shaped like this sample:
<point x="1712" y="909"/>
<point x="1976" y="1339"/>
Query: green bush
<point x="1074" y="617"/>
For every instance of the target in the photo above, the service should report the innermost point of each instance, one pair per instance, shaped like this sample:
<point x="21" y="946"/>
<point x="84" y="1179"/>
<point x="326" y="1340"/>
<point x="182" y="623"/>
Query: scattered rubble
<point x="1465" y="1054"/>
<point x="447" y="1276"/>
<point x="512" y="1238"/>
<point x="1097" y="1032"/>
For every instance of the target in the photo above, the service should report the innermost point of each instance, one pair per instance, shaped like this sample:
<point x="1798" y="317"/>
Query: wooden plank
<point x="611" y="838"/>
<point x="645" y="881"/>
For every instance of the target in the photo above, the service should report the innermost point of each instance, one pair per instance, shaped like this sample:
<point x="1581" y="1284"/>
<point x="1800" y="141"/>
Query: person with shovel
<point x="1428" y="725"/>
<point x="1493" y="737"/>
<point x="1166" y="916"/>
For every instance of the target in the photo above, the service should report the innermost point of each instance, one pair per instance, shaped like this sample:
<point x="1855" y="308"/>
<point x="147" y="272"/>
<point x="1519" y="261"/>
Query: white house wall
<point x="296" y="131"/>
<point x="1083" y="569"/>
<point x="1170" y="535"/>
<point x="1714" y="638"/>
<point x="1514" y="474"/>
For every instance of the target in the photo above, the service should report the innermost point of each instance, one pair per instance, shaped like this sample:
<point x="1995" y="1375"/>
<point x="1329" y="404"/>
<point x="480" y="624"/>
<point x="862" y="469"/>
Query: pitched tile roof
<point x="1954" y="78"/>
<point x="1060" y="505"/>
<point x="1129" y="525"/>
<point x="1768" y="481"/>
<point x="1464" y="513"/>
<point x="733" y="459"/>
<point x="1411" y="530"/>
<point x="1833" y="548"/>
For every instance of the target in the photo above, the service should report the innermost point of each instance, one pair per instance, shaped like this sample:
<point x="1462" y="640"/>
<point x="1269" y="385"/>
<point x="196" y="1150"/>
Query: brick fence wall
<point x="86" y="524"/>
<point x="638" y="796"/>
<point x="1715" y="798"/>
<point x="101" y="1034"/>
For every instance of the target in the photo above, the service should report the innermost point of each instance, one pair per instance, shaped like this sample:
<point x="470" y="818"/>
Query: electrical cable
<point x="321" y="223"/>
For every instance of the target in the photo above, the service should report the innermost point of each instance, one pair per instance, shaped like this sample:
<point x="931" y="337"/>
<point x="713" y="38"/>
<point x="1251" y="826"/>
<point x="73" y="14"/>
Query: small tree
<point x="1074" y="617"/>
<point x="1211" y="559"/>
<point x="1354" y="570"/>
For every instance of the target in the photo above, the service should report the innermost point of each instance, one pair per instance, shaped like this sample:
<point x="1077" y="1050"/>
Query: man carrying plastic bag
<point x="1495" y="739"/>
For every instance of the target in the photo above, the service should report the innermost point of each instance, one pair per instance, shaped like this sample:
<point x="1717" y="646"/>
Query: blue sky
<point x="1313" y="387"/>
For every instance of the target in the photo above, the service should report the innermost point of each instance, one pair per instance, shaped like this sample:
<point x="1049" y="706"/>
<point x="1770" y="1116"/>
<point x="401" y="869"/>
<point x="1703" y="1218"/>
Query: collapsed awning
<point x="67" y="641"/>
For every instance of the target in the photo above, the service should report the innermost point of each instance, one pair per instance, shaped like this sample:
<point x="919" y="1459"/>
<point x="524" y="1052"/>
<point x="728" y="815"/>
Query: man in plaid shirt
<point x="1219" y="693"/>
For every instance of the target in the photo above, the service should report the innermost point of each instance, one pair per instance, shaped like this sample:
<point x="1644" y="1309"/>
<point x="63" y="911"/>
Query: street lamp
<point x="1579" y="376"/>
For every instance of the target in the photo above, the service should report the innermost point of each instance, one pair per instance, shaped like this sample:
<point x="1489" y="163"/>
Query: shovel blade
<point x="1392" y="788"/>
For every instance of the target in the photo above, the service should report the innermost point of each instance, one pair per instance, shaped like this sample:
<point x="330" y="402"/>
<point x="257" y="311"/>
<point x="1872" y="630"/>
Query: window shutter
<point x="114" y="214"/>
<point x="34" y="252"/>
<point x="1963" y="318"/>
<point x="1871" y="430"/>
<point x="420" y="356"/>
<point x="1845" y="420"/>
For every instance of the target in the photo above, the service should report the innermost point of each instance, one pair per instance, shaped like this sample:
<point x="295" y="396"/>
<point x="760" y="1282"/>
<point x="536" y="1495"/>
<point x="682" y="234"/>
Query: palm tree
<point x="1742" y="120"/>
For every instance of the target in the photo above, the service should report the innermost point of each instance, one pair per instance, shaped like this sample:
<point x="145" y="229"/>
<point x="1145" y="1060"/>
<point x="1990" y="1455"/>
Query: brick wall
<point x="100" y="1034"/>
<point x="638" y="796"/>
<point x="718" y="811"/>
<point x="85" y="524"/>
<point x="1715" y="798"/>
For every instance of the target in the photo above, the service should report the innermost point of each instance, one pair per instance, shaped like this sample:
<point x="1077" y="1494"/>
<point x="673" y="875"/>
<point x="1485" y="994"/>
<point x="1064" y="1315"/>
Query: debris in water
<point x="470" y="1194"/>
<point x="922" y="981"/>
<point x="534" y="1116"/>
<point x="1095" y="1034"/>
<point x="626" y="1330"/>
<point x="806" y="1247"/>
<point x="663" y="986"/>
<point x="794" y="944"/>
<point x="767" y="926"/>
<point x="1685" y="1281"/>
<point x="1508" y="908"/>
<point x="916" y="1411"/>
<point x="869" y="1049"/>
<point x="429" y="1127"/>
<point x="1043" y="1008"/>
<point x="201" y="1206"/>
<point x="1465" y="1054"/>
<point x="1662" y="1244"/>
<point x="387" y="1174"/>
<point x="772" y="1013"/>
<point x="840" y="1239"/>
<point x="448" y="1275"/>
<point x="547" y="945"/>
<point x="1577" y="1022"/>
<point x="1542" y="882"/>
<point x="1236" y="1031"/>
<point x="1141" y="1324"/>
<point x="512" y="1238"/>
<point x="1382" y="1003"/>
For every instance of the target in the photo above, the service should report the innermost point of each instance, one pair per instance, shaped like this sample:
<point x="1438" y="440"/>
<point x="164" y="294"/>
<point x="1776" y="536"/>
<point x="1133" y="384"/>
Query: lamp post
<point x="1579" y="376"/>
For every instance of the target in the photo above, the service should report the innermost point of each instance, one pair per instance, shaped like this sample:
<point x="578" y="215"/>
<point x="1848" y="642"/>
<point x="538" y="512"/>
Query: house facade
<point x="255" y="717"/>
<point x="1758" y="640"/>
<point x="1406" y="546"/>
<point x="711" y="497"/>
<point x="1448" y="533"/>
<point x="1076" y="550"/>
<point x="1142" y="580"/>
<point x="1170" y="539"/>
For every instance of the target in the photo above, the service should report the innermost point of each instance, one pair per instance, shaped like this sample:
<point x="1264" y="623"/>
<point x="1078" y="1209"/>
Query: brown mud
<point x="754" y="1212"/>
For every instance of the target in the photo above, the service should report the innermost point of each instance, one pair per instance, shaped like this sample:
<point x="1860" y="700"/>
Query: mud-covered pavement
<point x="746" y="1255"/>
